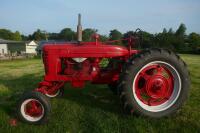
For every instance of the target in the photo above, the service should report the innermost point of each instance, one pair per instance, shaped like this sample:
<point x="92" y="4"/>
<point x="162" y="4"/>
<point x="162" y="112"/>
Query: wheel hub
<point x="156" y="87"/>
<point x="33" y="109"/>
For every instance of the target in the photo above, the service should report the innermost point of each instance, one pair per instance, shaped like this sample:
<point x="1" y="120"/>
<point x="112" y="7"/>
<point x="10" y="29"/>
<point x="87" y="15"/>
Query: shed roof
<point x="3" y="41"/>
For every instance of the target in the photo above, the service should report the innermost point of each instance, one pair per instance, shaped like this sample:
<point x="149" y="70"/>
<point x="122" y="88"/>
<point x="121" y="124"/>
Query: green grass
<point x="93" y="109"/>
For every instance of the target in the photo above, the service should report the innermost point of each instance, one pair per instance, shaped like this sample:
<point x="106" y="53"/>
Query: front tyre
<point x="33" y="108"/>
<point x="55" y="94"/>
<point x="154" y="83"/>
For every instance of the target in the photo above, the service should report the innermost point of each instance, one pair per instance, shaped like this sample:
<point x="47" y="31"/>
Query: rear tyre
<point x="33" y="108"/>
<point x="154" y="83"/>
<point x="114" y="88"/>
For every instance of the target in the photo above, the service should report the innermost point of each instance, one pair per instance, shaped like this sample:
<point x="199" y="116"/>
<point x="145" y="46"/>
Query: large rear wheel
<point x="113" y="87"/>
<point x="154" y="83"/>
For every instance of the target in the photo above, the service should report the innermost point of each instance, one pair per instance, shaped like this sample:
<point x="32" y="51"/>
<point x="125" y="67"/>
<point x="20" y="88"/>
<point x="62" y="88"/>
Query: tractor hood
<point x="86" y="49"/>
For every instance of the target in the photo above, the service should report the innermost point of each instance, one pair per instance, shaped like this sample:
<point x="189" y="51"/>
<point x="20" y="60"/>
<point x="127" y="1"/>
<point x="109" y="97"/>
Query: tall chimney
<point x="79" y="29"/>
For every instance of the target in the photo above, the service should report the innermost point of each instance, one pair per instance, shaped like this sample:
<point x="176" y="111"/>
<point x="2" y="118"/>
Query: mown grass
<point x="93" y="109"/>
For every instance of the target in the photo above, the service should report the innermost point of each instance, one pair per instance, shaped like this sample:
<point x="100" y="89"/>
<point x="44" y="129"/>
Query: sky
<point x="53" y="15"/>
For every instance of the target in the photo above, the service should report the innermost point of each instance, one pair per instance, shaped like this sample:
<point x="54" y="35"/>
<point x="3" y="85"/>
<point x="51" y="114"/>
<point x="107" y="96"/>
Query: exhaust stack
<point x="79" y="29"/>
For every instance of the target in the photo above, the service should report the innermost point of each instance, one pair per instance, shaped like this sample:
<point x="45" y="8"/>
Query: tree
<point x="53" y="36"/>
<point x="37" y="35"/>
<point x="170" y="31"/>
<point x="9" y="35"/>
<point x="17" y="36"/>
<point x="104" y="38"/>
<point x="164" y="31"/>
<point x="127" y="35"/>
<point x="5" y="34"/>
<point x="24" y="37"/>
<point x="87" y="34"/>
<point x="180" y="35"/>
<point x="115" y="35"/>
<point x="180" y="32"/>
<point x="164" y="40"/>
<point x="67" y="34"/>
<point x="147" y="40"/>
<point x="194" y="42"/>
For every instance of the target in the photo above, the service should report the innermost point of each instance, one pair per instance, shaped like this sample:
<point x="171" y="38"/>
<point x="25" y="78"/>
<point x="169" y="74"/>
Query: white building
<point x="31" y="47"/>
<point x="19" y="47"/>
<point x="3" y="49"/>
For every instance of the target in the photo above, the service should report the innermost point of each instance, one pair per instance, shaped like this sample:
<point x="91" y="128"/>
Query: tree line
<point x="176" y="40"/>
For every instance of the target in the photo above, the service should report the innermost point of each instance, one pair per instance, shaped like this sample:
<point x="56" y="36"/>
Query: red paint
<point x="33" y="109"/>
<point x="154" y="85"/>
<point x="50" y="88"/>
<point x="61" y="68"/>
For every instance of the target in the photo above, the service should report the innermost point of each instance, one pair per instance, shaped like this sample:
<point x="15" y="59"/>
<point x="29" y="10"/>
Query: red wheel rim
<point x="32" y="110"/>
<point x="154" y="85"/>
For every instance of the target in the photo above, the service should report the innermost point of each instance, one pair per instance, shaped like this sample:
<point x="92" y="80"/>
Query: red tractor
<point x="153" y="83"/>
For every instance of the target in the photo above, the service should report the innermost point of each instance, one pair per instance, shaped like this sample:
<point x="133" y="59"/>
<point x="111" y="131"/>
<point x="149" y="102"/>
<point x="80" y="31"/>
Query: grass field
<point x="93" y="109"/>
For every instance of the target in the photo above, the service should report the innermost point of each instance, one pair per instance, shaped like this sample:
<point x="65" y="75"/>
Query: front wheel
<point x="51" y="90"/>
<point x="55" y="94"/>
<point x="34" y="108"/>
<point x="154" y="83"/>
